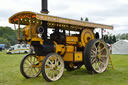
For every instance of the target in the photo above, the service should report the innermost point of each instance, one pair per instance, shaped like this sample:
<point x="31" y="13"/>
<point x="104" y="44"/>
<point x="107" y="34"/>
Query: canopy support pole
<point x="18" y="29"/>
<point x="30" y="29"/>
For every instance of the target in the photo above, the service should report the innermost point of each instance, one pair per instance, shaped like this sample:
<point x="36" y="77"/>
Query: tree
<point x="86" y="19"/>
<point x="123" y="36"/>
<point x="114" y="39"/>
<point x="110" y="39"/>
<point x="4" y="41"/>
<point x="126" y="36"/>
<point x="81" y="19"/>
<point x="118" y="37"/>
<point x="8" y="34"/>
<point x="106" y="38"/>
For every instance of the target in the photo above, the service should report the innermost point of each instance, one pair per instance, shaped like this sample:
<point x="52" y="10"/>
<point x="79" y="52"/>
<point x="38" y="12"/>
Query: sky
<point x="110" y="12"/>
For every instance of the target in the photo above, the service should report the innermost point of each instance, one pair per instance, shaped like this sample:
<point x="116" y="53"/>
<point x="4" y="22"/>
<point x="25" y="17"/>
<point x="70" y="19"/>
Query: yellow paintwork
<point x="62" y="49"/>
<point x="86" y="33"/>
<point x="78" y="56"/>
<point x="40" y="59"/>
<point x="68" y="57"/>
<point x="26" y="30"/>
<point x="66" y="50"/>
<point x="73" y="57"/>
<point x="69" y="49"/>
<point x="71" y="40"/>
<point x="80" y="44"/>
<point x="59" y="48"/>
<point x="18" y="30"/>
<point x="36" y="39"/>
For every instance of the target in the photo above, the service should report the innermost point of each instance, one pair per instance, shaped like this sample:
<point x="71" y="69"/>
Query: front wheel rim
<point x="54" y="67"/>
<point x="30" y="66"/>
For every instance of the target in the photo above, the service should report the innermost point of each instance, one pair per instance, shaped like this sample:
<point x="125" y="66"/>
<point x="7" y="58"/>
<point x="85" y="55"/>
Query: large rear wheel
<point x="29" y="66"/>
<point x="96" y="56"/>
<point x="52" y="67"/>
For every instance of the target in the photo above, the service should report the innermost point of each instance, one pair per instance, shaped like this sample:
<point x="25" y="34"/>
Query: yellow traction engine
<point x="59" y="43"/>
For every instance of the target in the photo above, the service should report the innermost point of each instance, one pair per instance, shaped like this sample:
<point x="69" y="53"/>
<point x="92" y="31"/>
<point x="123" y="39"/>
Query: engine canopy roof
<point x="25" y="17"/>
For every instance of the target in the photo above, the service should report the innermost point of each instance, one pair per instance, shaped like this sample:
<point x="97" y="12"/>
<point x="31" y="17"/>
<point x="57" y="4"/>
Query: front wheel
<point x="52" y="67"/>
<point x="29" y="66"/>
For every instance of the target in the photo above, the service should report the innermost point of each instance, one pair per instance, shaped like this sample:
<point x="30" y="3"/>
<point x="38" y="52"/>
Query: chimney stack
<point x="44" y="6"/>
<point x="44" y="9"/>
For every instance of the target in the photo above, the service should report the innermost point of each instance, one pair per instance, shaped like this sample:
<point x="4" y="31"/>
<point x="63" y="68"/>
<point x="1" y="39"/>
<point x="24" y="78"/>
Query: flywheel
<point x="86" y="35"/>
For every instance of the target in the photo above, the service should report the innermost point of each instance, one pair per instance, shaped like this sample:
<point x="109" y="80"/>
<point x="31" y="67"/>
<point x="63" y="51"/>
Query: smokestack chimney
<point x="44" y="6"/>
<point x="44" y="9"/>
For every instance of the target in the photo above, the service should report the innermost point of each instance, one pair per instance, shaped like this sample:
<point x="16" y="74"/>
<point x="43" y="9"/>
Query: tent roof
<point x="120" y="47"/>
<point x="125" y="41"/>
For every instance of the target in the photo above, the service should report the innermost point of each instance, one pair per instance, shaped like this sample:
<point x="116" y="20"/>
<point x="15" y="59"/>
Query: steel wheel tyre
<point x="52" y="67"/>
<point x="28" y="66"/>
<point x="96" y="56"/>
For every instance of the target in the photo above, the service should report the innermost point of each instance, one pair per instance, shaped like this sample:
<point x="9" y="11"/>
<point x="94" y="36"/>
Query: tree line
<point x="111" y="39"/>
<point x="7" y="36"/>
<point x="123" y="36"/>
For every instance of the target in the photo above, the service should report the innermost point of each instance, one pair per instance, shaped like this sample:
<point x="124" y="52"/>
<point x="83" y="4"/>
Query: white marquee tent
<point x="120" y="47"/>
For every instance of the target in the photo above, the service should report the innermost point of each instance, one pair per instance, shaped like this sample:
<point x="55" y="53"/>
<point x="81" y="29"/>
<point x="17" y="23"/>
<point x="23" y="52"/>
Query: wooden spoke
<point x="28" y="66"/>
<point x="99" y="56"/>
<point x="54" y="67"/>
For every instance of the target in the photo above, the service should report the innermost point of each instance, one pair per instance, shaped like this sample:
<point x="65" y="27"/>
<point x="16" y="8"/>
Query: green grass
<point x="10" y="73"/>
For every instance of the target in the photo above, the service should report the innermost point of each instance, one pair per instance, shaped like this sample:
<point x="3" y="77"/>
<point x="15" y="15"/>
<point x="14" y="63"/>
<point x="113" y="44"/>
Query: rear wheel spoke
<point x="103" y="56"/>
<point x="102" y="49"/>
<point x="93" y="60"/>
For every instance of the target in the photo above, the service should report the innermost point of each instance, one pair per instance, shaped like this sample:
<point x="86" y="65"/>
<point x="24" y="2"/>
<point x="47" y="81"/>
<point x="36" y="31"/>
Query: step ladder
<point x="110" y="64"/>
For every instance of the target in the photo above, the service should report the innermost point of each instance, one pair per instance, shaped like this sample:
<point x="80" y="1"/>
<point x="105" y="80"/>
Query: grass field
<point x="10" y="73"/>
